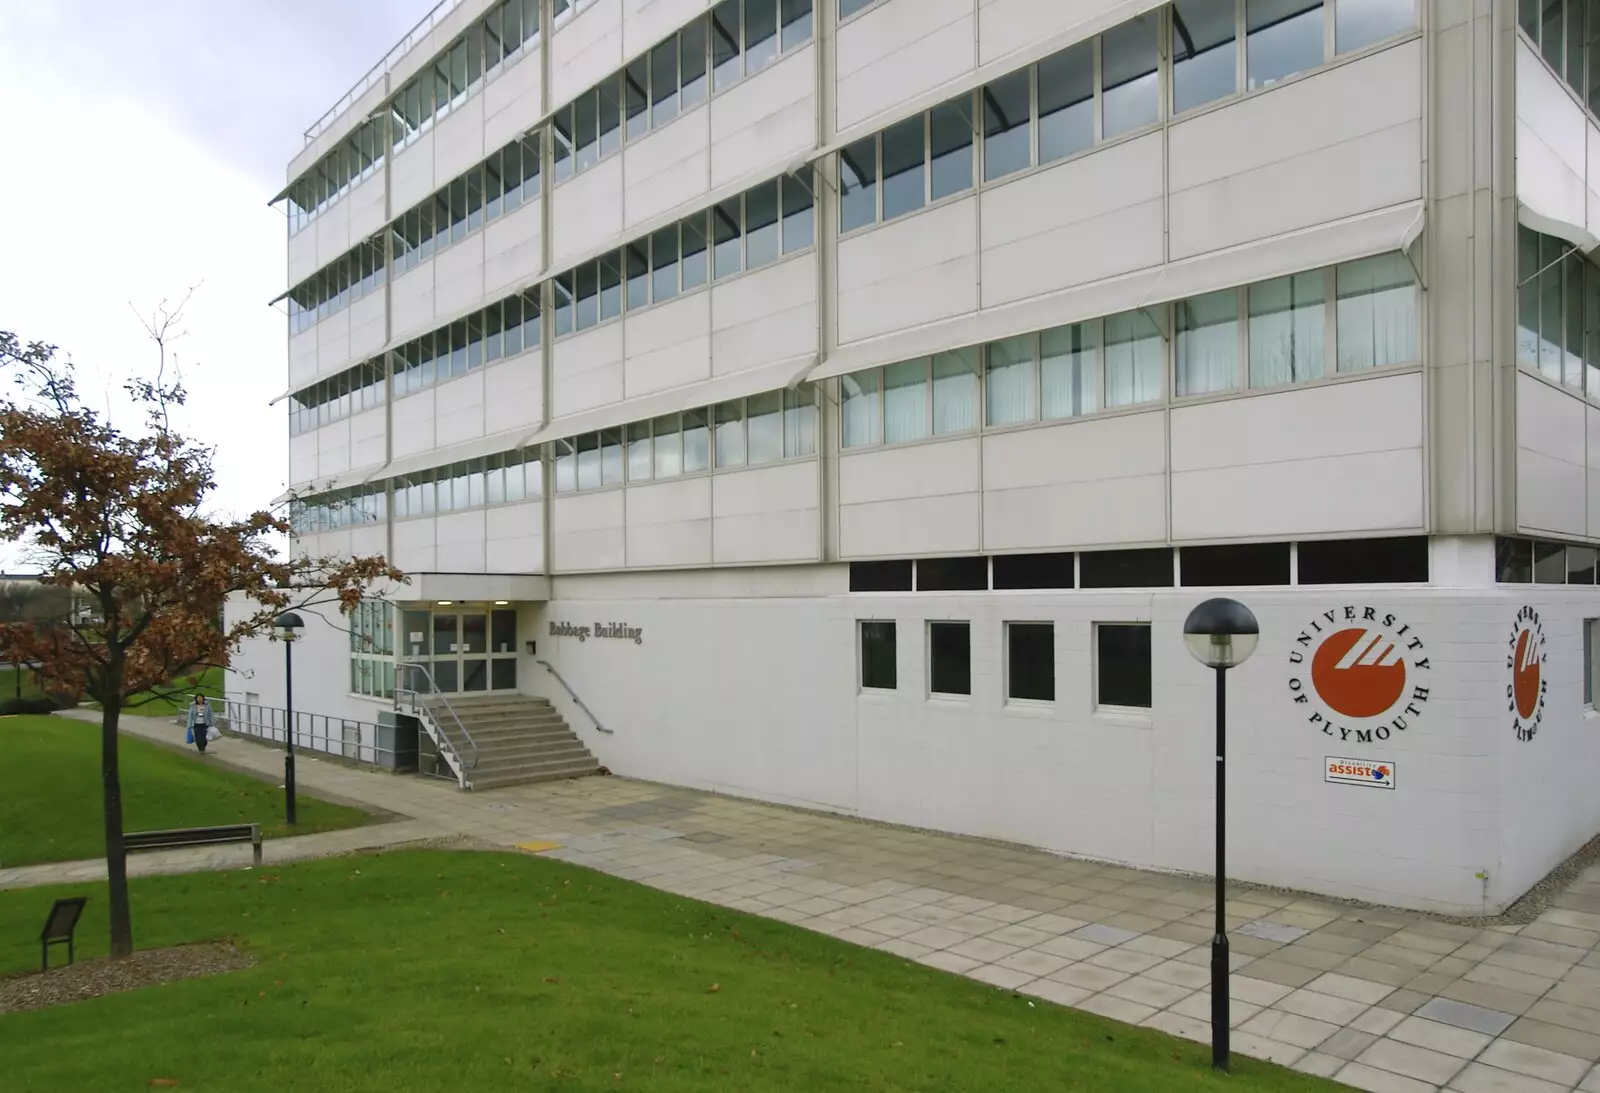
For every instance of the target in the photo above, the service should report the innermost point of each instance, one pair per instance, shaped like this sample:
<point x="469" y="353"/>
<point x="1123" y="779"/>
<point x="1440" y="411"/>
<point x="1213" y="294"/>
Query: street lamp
<point x="1221" y="634"/>
<point x="288" y="626"/>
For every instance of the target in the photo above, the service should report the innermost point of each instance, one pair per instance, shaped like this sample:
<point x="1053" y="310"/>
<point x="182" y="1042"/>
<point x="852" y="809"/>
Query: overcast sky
<point x="142" y="142"/>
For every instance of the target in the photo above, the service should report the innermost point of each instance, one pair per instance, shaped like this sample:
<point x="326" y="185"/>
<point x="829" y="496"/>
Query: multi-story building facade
<point x="845" y="401"/>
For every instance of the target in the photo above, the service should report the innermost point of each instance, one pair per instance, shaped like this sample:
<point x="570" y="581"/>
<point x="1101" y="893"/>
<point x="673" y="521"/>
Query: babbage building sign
<point x="619" y="630"/>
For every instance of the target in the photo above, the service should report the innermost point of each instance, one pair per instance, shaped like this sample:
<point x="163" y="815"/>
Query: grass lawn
<point x="145" y="704"/>
<point x="425" y="970"/>
<point x="50" y="793"/>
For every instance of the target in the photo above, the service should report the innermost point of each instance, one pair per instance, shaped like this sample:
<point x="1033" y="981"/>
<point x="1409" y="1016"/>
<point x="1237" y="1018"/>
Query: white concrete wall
<point x="1553" y="475"/>
<point x="1557" y="152"/>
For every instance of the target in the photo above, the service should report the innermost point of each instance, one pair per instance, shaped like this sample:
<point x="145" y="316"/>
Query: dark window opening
<point x="1365" y="561"/>
<point x="950" y="658"/>
<point x="1031" y="661"/>
<point x="1235" y="564"/>
<point x="878" y="656"/>
<point x="1123" y="665"/>
<point x="1034" y="571"/>
<point x="1549" y="563"/>
<point x="1125" y="569"/>
<point x="953" y="575"/>
<point x="880" y="576"/>
<point x="1513" y="561"/>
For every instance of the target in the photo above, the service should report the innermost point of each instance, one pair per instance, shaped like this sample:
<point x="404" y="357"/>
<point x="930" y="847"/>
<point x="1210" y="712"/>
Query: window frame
<point x="928" y="630"/>
<point x="1115" y="709"/>
<point x="1014" y="702"/>
<point x="862" y="687"/>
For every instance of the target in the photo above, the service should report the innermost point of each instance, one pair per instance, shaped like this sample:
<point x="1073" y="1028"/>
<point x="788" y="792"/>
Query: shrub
<point x="26" y="705"/>
<point x="61" y="700"/>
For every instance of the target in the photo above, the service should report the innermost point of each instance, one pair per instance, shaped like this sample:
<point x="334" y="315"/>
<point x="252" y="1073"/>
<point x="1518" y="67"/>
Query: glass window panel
<point x="1551" y="298"/>
<point x="728" y="256"/>
<point x="1204" y="52"/>
<point x="729" y="417"/>
<point x="760" y="34"/>
<point x="494" y="476"/>
<point x="694" y="81"/>
<point x="1591" y="326"/>
<point x="1123" y="660"/>
<point x="610" y="105"/>
<point x="611" y="458"/>
<point x="668" y="446"/>
<point x="860" y="409"/>
<point x="664" y="83"/>
<point x="762" y="245"/>
<point x="1069" y="357"/>
<point x="800" y="421"/>
<point x="878" y="668"/>
<point x="696" y="259"/>
<point x="585" y="130"/>
<point x="796" y="18"/>
<point x="1288" y="329"/>
<point x="1005" y="126"/>
<point x="561" y="141"/>
<point x="1572" y="363"/>
<point x="636" y="97"/>
<point x="858" y="184"/>
<point x="950" y="658"/>
<point x="1359" y="23"/>
<point x="511" y="317"/>
<point x="799" y="214"/>
<point x="765" y="427"/>
<point x="640" y="461"/>
<point x="950" y="137"/>
<point x="1551" y="38"/>
<point x="664" y="264"/>
<point x="565" y="304"/>
<point x="610" y="285"/>
<point x="1031" y="661"/>
<point x="848" y="8"/>
<point x="1592" y="75"/>
<point x="638" y="259"/>
<point x="1207" y="353"/>
<point x="696" y="442"/>
<point x="1012" y="381"/>
<point x="1282" y="38"/>
<point x="725" y="44"/>
<point x="905" y="401"/>
<point x="904" y="162"/>
<point x="1549" y="563"/>
<point x="589" y="462"/>
<point x="566" y="466"/>
<point x="530" y="320"/>
<point x="955" y="391"/>
<point x="1133" y="359"/>
<point x="1377" y="313"/>
<point x="1129" y="85"/>
<point x="588" y="292"/>
<point x="1528" y="295"/>
<point x="1066" y="102"/>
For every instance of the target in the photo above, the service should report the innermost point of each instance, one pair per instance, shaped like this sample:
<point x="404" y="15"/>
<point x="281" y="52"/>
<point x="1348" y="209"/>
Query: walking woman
<point x="199" y="723"/>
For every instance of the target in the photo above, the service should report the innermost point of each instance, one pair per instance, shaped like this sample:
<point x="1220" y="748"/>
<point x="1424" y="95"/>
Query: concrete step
<point x="498" y="780"/>
<point x="473" y="720"/>
<point x="511" y="755"/>
<point x="492" y="702"/>
<point x="486" y="737"/>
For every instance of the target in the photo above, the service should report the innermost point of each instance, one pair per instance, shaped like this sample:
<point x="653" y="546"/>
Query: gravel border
<point x="95" y="978"/>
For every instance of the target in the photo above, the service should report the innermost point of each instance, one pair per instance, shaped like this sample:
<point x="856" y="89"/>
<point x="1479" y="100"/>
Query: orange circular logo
<point x="1525" y="662"/>
<point x="1358" y="672"/>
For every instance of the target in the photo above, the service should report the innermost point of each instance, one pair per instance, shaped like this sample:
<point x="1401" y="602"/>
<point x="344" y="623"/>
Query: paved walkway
<point x="1380" y="1000"/>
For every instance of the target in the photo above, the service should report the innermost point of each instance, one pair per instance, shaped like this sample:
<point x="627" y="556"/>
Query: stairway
<point x="520" y="739"/>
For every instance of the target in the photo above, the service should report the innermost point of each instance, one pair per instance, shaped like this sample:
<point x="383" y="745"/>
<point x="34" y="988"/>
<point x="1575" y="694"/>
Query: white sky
<point x="142" y="142"/>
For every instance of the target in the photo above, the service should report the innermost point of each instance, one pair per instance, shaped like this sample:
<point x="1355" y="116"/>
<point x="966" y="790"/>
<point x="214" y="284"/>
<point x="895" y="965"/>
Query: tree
<point x="25" y="601"/>
<point x="121" y="517"/>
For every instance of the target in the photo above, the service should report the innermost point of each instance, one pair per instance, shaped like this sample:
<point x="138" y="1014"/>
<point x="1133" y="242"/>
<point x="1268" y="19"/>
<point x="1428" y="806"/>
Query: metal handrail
<point x="433" y="686"/>
<point x="381" y="69"/>
<point x="574" y="694"/>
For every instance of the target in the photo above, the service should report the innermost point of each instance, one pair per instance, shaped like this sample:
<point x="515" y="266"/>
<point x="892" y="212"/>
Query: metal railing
<point x="381" y="69"/>
<point x="430" y="711"/>
<point x="547" y="666"/>
<point x="342" y="736"/>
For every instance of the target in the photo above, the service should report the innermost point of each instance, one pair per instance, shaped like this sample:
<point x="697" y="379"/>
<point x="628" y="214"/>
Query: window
<point x="1204" y="52"/>
<point x="1005" y="126"/>
<point x="800" y="421"/>
<point x="1282" y="38"/>
<point x="1513" y="561"/>
<point x="953" y="574"/>
<point x="729" y="428"/>
<point x="1359" y="23"/>
<point x="1150" y="568"/>
<point x="955" y="392"/>
<point x="923" y="397"/>
<point x="1207" y="353"/>
<point x="1012" y="381"/>
<point x="799" y="215"/>
<point x="905" y="401"/>
<point x="1035" y="571"/>
<point x="641" y="467"/>
<point x="878" y="672"/>
<point x="1401" y="560"/>
<point x="848" y="8"/>
<point x="858" y="184"/>
<point x="860" y="409"/>
<point x="1288" y="329"/>
<point x="1377" y="313"/>
<point x="880" y="576"/>
<point x="761" y="245"/>
<point x="904" y="167"/>
<point x="1129" y="83"/>
<point x="950" y="658"/>
<point x="1589" y="665"/>
<point x="669" y="446"/>
<point x="1066" y="102"/>
<point x="1134" y="359"/>
<point x="1030" y="661"/>
<point x="1549" y="563"/>
<point x="1238" y="565"/>
<point x="1122" y="665"/>
<point x="949" y="149"/>
<point x="696" y="442"/>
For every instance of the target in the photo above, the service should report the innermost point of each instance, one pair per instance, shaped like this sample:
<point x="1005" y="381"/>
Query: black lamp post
<point x="1220" y="634"/>
<point x="288" y="627"/>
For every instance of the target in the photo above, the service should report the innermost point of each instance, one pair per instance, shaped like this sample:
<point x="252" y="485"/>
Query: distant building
<point x="849" y="400"/>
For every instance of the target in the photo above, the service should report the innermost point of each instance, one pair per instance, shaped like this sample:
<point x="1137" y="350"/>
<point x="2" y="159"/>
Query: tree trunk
<point x="116" y="857"/>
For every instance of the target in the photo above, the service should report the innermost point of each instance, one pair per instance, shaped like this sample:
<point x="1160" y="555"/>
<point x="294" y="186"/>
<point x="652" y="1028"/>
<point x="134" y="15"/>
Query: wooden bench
<point x="194" y="836"/>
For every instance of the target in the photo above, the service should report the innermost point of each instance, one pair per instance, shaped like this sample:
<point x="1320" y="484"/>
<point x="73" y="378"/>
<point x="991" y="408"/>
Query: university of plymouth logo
<point x="1358" y="673"/>
<point x="1525" y="657"/>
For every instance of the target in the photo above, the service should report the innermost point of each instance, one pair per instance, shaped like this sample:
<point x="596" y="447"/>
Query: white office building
<point x="843" y="402"/>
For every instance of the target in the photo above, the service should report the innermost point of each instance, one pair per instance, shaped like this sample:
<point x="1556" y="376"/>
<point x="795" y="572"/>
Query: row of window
<point x="339" y="509"/>
<point x="1349" y="318"/>
<point x="1529" y="561"/>
<point x="503" y="329"/>
<point x="1097" y="90"/>
<point x="494" y="188"/>
<point x="503" y="479"/>
<point x="337" y="285"/>
<point x="1121" y="661"/>
<point x="1400" y="560"/>
<point x="1567" y="33"/>
<point x="498" y="38"/>
<point x="337" y="397"/>
<point x="1558" y="311"/>
<point x="372" y="629"/>
<point x="747" y="432"/>
<point x="745" y="232"/>
<point x="353" y="160"/>
<point x="737" y="39"/>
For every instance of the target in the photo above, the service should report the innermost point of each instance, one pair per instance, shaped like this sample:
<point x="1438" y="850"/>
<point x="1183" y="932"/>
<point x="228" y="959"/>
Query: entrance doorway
<point x="468" y="648"/>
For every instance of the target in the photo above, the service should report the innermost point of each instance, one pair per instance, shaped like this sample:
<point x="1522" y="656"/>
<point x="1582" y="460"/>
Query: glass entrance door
<point x="467" y="649"/>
